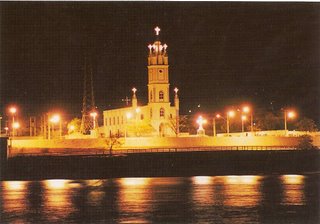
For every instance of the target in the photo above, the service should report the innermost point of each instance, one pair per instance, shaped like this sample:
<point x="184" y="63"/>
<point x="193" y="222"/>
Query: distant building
<point x="158" y="117"/>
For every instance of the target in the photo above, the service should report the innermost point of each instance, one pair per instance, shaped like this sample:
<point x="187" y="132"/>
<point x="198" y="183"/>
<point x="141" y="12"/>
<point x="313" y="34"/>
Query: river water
<point x="200" y="199"/>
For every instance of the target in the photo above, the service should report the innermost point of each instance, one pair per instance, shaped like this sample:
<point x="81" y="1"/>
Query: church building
<point x="158" y="117"/>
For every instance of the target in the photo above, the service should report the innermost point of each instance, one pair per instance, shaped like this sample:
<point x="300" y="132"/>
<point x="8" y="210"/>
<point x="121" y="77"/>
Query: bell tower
<point x="158" y="73"/>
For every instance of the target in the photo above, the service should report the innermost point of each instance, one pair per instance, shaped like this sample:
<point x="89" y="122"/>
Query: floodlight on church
<point x="129" y="115"/>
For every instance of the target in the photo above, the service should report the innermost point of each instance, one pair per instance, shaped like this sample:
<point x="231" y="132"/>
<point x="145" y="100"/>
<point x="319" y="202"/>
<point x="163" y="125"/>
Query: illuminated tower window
<point x="161" y="95"/>
<point x="161" y="112"/>
<point x="150" y="95"/>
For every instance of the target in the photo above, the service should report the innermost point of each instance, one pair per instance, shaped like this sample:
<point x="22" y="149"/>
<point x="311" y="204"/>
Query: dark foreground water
<point x="200" y="199"/>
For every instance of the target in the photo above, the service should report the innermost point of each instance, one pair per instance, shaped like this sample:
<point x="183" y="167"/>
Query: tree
<point x="305" y="143"/>
<point x="306" y="124"/>
<point x="182" y="123"/>
<point x="268" y="122"/>
<point x="113" y="141"/>
<point x="74" y="126"/>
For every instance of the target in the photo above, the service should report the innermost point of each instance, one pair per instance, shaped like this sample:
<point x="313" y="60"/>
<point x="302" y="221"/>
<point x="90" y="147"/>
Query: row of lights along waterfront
<point x="52" y="120"/>
<point x="245" y="110"/>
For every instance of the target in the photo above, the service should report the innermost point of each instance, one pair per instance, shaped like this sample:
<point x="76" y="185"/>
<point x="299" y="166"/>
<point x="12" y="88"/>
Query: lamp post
<point x="13" y="111"/>
<point x="247" y="109"/>
<point x="288" y="115"/>
<point x="55" y="119"/>
<point x="230" y="114"/>
<point x="15" y="125"/>
<point x="243" y="119"/>
<point x="214" y="124"/>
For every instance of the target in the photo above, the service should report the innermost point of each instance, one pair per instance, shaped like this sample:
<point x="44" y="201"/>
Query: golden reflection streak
<point x="251" y="180"/>
<point x="133" y="199"/>
<point x="14" y="196"/>
<point x="292" y="179"/>
<point x="14" y="185"/>
<point x="57" y="198"/>
<point x="202" y="193"/>
<point x="56" y="184"/>
<point x="242" y="191"/>
<point x="134" y="181"/>
<point x="202" y="180"/>
<point x="293" y="189"/>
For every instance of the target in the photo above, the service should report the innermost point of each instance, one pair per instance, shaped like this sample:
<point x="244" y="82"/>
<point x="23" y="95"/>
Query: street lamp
<point x="94" y="115"/>
<point x="13" y="111"/>
<point x="214" y="124"/>
<point x="201" y="121"/>
<point x="230" y="114"/>
<point x="247" y="110"/>
<point x="56" y="119"/>
<point x="15" y="125"/>
<point x="243" y="119"/>
<point x="288" y="115"/>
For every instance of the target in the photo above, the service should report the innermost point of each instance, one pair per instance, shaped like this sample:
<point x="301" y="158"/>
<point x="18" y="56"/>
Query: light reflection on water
<point x="293" y="189"/>
<point x="222" y="199"/>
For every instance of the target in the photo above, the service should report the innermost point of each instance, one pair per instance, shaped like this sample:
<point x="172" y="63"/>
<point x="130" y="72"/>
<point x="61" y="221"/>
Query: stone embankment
<point x="102" y="145"/>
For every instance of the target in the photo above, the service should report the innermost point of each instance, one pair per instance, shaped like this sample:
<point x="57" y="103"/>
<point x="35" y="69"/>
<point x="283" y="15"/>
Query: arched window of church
<point x="141" y="117"/>
<point x="161" y="112"/>
<point x="150" y="95"/>
<point x="161" y="95"/>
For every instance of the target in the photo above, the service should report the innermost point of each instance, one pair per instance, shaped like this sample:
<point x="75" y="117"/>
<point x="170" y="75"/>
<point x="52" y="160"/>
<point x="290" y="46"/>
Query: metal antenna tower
<point x="88" y="104"/>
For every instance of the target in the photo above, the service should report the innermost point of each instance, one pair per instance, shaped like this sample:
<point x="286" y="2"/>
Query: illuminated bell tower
<point x="158" y="75"/>
<point x="158" y="83"/>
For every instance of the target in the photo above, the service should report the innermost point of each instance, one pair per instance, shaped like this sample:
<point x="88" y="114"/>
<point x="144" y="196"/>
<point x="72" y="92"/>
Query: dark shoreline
<point x="162" y="164"/>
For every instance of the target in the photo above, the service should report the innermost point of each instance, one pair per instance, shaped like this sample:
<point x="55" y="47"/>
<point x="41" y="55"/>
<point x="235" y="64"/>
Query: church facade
<point x="158" y="117"/>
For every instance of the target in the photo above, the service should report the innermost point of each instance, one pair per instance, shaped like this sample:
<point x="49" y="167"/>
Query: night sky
<point x="220" y="54"/>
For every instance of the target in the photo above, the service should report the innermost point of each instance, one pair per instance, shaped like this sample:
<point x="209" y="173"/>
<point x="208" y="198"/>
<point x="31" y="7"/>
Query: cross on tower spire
<point x="157" y="29"/>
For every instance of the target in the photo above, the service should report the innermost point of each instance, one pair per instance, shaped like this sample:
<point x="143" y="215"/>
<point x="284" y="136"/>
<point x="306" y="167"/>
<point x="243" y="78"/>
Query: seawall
<point x="101" y="145"/>
<point x="164" y="164"/>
